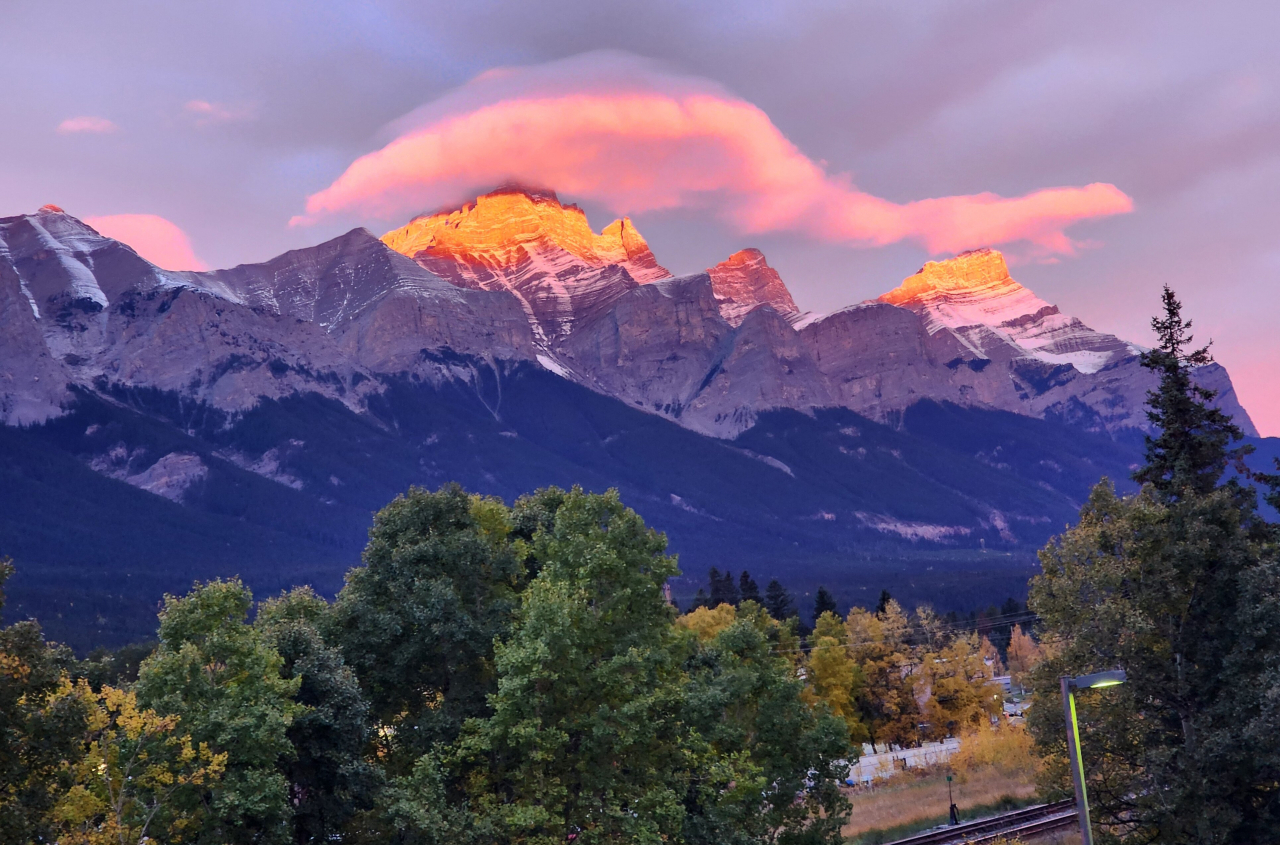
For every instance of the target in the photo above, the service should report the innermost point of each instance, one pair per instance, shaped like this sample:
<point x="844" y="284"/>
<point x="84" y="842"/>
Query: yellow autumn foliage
<point x="707" y="622"/>
<point x="138" y="778"/>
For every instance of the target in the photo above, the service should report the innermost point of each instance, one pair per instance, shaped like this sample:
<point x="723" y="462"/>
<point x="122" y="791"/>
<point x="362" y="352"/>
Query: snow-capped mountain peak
<point x="974" y="297"/>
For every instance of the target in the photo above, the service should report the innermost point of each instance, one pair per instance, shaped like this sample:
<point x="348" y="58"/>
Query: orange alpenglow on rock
<point x="974" y="297"/>
<point x="744" y="281"/>
<point x="524" y="241"/>
<point x="515" y="224"/>
<point x="978" y="272"/>
<point x="972" y="289"/>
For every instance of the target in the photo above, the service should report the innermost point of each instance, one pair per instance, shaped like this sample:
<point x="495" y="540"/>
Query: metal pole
<point x="1077" y="765"/>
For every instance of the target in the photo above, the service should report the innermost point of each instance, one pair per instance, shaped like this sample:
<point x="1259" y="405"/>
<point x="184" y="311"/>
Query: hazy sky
<point x="1107" y="147"/>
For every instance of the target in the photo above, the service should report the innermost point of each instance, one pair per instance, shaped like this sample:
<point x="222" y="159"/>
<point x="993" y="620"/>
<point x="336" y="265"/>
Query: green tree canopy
<point x="330" y="781"/>
<point x="417" y="623"/>
<point x="584" y="738"/>
<point x="762" y="740"/>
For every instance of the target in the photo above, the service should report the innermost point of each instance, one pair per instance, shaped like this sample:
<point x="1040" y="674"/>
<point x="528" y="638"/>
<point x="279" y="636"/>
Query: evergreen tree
<point x="883" y="604"/>
<point x="1192" y="445"/>
<point x="723" y="589"/>
<point x="778" y="601"/>
<point x="701" y="599"/>
<point x="747" y="589"/>
<point x="824" y="602"/>
<point x="1177" y="585"/>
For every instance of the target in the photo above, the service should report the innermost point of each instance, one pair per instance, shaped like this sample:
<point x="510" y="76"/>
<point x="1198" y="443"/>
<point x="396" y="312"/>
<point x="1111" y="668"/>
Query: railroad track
<point x="1033" y="821"/>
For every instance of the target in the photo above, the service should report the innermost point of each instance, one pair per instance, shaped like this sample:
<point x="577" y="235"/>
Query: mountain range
<point x="167" y="426"/>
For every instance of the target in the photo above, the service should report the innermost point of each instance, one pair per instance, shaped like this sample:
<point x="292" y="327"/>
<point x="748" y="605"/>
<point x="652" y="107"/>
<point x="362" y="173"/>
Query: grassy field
<point x="908" y="804"/>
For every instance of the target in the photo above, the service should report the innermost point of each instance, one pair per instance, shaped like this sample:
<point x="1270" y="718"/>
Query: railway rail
<point x="1031" y="821"/>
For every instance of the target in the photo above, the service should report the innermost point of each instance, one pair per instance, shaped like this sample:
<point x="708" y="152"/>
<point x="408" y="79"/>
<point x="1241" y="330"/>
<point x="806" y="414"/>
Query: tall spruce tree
<point x="1192" y="446"/>
<point x="778" y="601"/>
<point x="1180" y="586"/>
<point x="723" y="590"/>
<point x="823" y="602"/>
<point x="883" y="604"/>
<point x="748" y="590"/>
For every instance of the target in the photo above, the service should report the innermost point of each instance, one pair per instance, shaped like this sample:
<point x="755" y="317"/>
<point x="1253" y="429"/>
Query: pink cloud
<point x="86" y="124"/>
<point x="206" y="113"/>
<point x="618" y="130"/>
<point x="154" y="238"/>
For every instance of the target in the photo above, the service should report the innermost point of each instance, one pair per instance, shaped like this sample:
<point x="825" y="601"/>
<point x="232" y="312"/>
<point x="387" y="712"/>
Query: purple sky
<point x="226" y="119"/>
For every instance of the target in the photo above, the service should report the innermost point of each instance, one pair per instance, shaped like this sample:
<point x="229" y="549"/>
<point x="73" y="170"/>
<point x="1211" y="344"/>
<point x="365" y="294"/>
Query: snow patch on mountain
<point x="911" y="530"/>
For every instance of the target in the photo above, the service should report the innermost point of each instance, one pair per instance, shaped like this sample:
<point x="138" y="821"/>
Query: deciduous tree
<point x="584" y="741"/>
<point x="1024" y="655"/>
<point x="330" y="781"/>
<point x="218" y="675"/>
<point x="40" y="727"/>
<point x="832" y="678"/>
<point x="961" y="694"/>
<point x="878" y="644"/>
<point x="140" y="777"/>
<point x="440" y="581"/>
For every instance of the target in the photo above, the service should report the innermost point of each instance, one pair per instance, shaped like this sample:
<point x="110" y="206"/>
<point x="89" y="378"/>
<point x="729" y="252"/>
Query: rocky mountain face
<point x="744" y="281"/>
<point x="712" y="351"/>
<point x="543" y="253"/>
<point x="973" y="298"/>
<point x="85" y="311"/>
<point x="517" y="275"/>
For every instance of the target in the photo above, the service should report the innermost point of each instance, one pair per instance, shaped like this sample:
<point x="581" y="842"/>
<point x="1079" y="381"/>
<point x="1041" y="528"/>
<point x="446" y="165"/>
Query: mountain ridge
<point x="517" y="275"/>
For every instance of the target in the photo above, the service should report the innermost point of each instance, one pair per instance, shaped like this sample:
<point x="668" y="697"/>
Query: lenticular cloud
<point x="619" y="130"/>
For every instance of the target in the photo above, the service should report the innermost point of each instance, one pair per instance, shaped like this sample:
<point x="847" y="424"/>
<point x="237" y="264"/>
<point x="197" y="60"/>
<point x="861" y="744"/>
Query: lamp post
<point x="1069" y="687"/>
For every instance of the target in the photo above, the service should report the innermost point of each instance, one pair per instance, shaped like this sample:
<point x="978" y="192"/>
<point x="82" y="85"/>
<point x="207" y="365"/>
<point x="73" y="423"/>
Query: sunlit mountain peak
<point x="515" y="224"/>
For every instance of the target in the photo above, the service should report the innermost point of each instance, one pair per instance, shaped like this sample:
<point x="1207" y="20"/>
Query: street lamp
<point x="1069" y="686"/>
